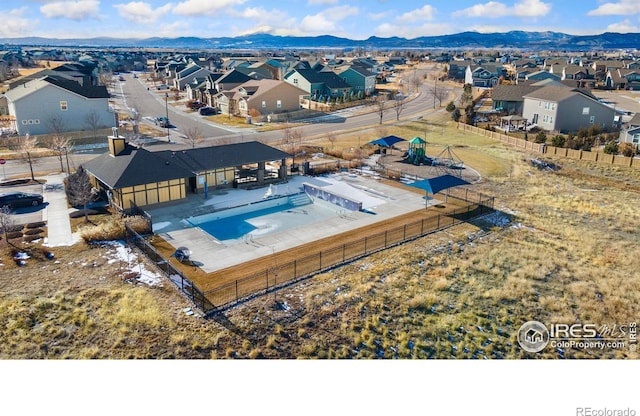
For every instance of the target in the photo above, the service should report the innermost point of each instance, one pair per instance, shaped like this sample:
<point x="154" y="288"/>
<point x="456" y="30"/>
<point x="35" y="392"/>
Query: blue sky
<point x="356" y="19"/>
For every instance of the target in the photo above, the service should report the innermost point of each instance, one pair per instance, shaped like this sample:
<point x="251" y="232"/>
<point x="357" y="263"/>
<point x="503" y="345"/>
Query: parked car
<point x="162" y="87"/>
<point x="120" y="78"/>
<point x="195" y="105"/>
<point x="163" y="122"/>
<point x="13" y="200"/>
<point x="208" y="111"/>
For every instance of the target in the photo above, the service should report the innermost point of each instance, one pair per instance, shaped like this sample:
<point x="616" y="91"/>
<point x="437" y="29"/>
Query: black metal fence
<point x="281" y="275"/>
<point x="184" y="284"/>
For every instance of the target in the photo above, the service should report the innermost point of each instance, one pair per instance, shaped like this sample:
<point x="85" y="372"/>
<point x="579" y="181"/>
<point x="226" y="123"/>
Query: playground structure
<point x="448" y="161"/>
<point x="417" y="153"/>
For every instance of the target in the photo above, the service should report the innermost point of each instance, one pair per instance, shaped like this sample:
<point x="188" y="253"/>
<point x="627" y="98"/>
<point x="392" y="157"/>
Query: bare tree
<point x="92" y="120"/>
<point x="193" y="135"/>
<point x="380" y="102"/>
<point x="7" y="222"/>
<point x="26" y="148"/>
<point x="398" y="105"/>
<point x="60" y="145"/>
<point x="80" y="191"/>
<point x="56" y="124"/>
<point x="290" y="139"/>
<point x="331" y="137"/>
<point x="415" y="81"/>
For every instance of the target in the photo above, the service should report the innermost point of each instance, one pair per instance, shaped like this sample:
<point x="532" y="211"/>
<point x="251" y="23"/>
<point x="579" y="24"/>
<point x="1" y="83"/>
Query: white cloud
<point x="18" y="12"/>
<point x="494" y="9"/>
<point x="141" y="12"/>
<point x="623" y="7"/>
<point x="427" y="12"/>
<point x="74" y="10"/>
<point x="623" y="27"/>
<point x="379" y="16"/>
<point x="17" y="26"/>
<point x="325" y="21"/>
<point x="205" y="7"/>
<point x="321" y="2"/>
<point x="263" y="20"/>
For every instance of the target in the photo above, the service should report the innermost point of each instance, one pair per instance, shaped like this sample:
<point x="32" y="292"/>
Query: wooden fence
<point x="597" y="157"/>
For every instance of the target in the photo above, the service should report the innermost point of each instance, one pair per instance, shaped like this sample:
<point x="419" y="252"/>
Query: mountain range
<point x="471" y="40"/>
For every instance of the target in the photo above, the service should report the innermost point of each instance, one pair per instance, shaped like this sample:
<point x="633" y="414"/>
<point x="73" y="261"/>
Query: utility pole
<point x="166" y="105"/>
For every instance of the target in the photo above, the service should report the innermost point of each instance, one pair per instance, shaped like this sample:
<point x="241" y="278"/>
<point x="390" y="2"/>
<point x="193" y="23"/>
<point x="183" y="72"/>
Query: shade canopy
<point x="417" y="140"/>
<point x="387" y="141"/>
<point x="437" y="184"/>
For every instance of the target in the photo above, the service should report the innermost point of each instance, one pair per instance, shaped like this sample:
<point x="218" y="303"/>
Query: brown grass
<point x="563" y="250"/>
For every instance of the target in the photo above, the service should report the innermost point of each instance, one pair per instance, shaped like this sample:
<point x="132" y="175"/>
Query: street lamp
<point x="166" y="105"/>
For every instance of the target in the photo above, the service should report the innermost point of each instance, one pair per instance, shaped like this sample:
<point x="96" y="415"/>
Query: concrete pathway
<point x="57" y="213"/>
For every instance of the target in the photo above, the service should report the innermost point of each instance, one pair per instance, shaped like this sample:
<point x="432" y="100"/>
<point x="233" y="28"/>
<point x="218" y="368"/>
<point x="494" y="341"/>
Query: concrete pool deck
<point x="381" y="202"/>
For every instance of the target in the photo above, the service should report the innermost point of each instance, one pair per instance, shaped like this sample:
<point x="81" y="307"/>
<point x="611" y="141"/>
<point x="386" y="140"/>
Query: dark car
<point x="163" y="122"/>
<point x="208" y="111"/>
<point x="20" y="199"/>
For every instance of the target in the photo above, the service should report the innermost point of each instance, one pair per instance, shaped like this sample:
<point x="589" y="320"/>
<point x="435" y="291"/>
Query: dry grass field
<point x="563" y="248"/>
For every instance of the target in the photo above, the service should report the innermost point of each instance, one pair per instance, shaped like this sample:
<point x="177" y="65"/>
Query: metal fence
<point x="280" y="275"/>
<point x="184" y="284"/>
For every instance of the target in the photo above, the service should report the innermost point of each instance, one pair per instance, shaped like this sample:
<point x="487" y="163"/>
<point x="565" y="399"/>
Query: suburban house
<point x="318" y="84"/>
<point x="189" y="73"/>
<point x="133" y="176"/>
<point x="631" y="134"/>
<point x="623" y="79"/>
<point x="56" y="104"/>
<point x="486" y="75"/>
<point x="509" y="99"/>
<point x="458" y="69"/>
<point x="564" y="109"/>
<point x="540" y="76"/>
<point x="262" y="97"/>
<point x="360" y="78"/>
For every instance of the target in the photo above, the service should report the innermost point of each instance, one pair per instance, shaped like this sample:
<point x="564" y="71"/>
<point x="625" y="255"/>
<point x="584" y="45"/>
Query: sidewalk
<point x="57" y="213"/>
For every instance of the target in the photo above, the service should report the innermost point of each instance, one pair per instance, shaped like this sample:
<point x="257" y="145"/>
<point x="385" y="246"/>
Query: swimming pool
<point x="263" y="217"/>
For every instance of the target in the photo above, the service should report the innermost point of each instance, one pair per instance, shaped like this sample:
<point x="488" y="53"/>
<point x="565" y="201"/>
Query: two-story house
<point x="485" y="75"/>
<point x="565" y="110"/>
<point x="188" y="74"/>
<point x="360" y="78"/>
<point x="318" y="84"/>
<point x="262" y="97"/>
<point x="54" y="104"/>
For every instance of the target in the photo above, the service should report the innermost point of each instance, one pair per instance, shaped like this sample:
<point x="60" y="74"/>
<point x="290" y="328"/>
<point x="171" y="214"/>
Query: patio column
<point x="261" y="166"/>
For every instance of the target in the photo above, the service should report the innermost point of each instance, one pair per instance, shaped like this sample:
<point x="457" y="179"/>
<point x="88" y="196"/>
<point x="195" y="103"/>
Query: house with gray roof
<point x="564" y="110"/>
<point x="133" y="176"/>
<point x="54" y="104"/>
<point x="319" y="84"/>
<point x="360" y="78"/>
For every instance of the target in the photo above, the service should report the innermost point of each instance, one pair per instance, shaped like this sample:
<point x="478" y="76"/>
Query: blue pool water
<point x="237" y="226"/>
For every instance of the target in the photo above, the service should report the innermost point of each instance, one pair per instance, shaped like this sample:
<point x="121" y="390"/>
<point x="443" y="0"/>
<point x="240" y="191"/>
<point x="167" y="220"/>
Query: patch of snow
<point x="121" y="252"/>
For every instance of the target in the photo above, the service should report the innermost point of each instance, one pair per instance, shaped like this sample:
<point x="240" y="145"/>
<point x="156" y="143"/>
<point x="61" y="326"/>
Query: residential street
<point x="133" y="94"/>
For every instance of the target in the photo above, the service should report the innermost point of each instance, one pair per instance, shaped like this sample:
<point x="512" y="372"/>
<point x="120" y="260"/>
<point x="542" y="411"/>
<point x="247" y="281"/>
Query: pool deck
<point x="382" y="202"/>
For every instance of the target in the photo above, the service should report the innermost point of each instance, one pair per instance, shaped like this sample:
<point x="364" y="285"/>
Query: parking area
<point x="29" y="214"/>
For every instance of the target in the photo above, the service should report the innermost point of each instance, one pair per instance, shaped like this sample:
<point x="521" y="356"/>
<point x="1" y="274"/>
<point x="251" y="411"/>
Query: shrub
<point x="627" y="149"/>
<point x="558" y="141"/>
<point x="138" y="223"/>
<point x="450" y="107"/>
<point x="611" y="147"/>
<point x="541" y="137"/>
<point x="111" y="229"/>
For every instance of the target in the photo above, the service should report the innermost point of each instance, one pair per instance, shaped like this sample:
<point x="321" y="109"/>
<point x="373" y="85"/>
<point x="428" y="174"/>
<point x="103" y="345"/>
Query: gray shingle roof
<point x="137" y="166"/>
